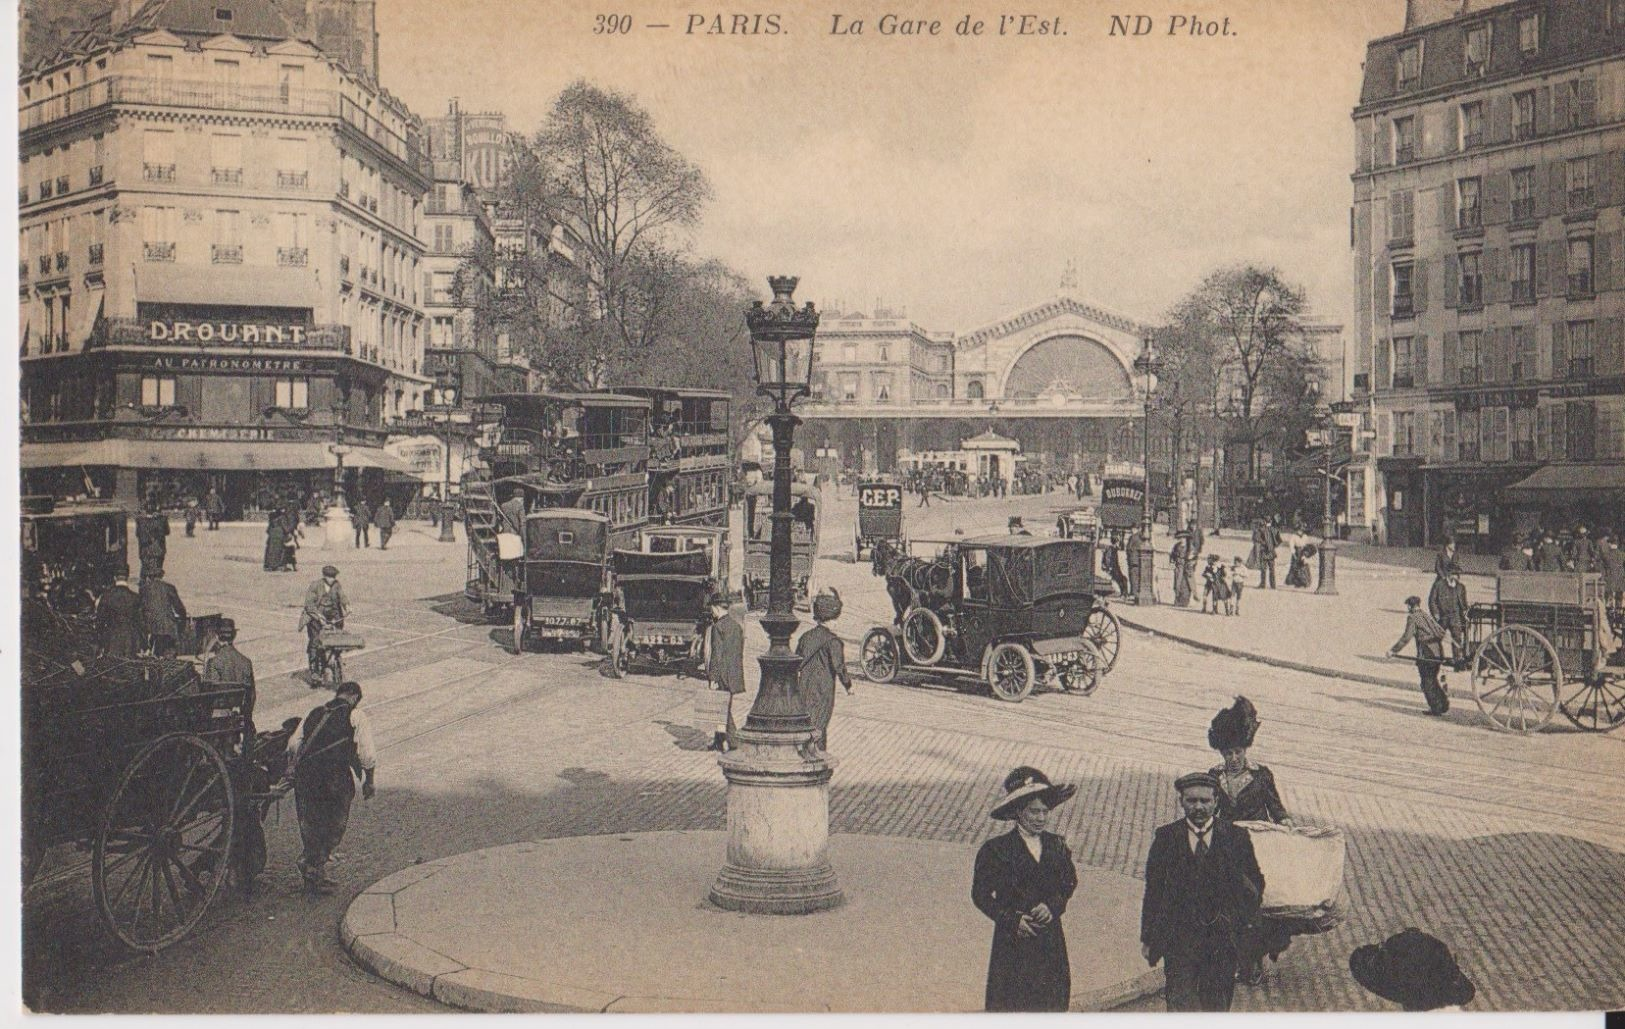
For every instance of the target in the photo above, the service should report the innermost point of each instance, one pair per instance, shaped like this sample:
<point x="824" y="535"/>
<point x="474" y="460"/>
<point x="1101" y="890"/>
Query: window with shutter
<point x="1450" y="359"/>
<point x="1384" y="364"/>
<point x="1419" y="359"/>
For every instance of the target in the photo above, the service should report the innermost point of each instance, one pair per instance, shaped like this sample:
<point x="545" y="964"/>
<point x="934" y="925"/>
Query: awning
<point x="1554" y="479"/>
<point x="356" y="457"/>
<point x="225" y="457"/>
<point x="68" y="455"/>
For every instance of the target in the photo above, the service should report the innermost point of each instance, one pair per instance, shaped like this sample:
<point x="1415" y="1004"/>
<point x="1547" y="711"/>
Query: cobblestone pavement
<point x="1504" y="846"/>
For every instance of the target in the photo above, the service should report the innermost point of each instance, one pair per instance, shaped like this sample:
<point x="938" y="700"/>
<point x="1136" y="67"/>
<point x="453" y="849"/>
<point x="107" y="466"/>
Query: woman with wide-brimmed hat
<point x="823" y="663"/>
<point x="1414" y="970"/>
<point x="1023" y="881"/>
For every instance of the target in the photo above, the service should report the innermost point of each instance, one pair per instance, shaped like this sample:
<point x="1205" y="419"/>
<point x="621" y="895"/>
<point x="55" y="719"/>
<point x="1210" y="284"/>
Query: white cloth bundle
<point x="1303" y="868"/>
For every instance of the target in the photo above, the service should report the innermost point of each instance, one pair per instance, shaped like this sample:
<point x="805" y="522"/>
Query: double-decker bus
<point x="690" y="460"/>
<point x="586" y="451"/>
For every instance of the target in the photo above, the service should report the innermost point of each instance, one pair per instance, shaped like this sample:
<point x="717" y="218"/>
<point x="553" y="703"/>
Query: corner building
<point x="220" y="276"/>
<point x="1489" y="271"/>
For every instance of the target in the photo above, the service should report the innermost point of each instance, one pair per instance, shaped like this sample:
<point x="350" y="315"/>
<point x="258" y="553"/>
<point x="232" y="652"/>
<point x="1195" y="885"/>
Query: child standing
<point x="1236" y="580"/>
<point x="1210" y="584"/>
<point x="1223" y="589"/>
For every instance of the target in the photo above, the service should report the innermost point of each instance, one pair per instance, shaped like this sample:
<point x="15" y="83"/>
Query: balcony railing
<point x="1523" y="209"/>
<point x="1580" y="284"/>
<point x="292" y="257"/>
<point x="211" y="95"/>
<point x="227" y="176"/>
<point x="158" y="251"/>
<point x="292" y="179"/>
<point x="61" y="260"/>
<point x="226" y="253"/>
<point x="1580" y="367"/>
<point x="1523" y="291"/>
<point x="158" y="172"/>
<point x="1523" y="130"/>
<point x="1472" y="293"/>
<point x="96" y="175"/>
<point x="1469" y="217"/>
<point x="1582" y="199"/>
<point x="1469" y="140"/>
<point x="96" y="250"/>
<point x="1404" y="305"/>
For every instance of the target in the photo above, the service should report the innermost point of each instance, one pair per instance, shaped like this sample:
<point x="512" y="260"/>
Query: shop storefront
<point x="1561" y="496"/>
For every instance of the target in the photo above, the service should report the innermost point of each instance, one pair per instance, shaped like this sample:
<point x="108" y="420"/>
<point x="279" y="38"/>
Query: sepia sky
<point x="955" y="177"/>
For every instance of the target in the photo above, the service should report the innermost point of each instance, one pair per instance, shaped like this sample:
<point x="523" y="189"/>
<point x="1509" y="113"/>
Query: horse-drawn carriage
<point x="1548" y="644"/>
<point x="1014" y="612"/>
<point x="660" y="592"/>
<point x="880" y="516"/>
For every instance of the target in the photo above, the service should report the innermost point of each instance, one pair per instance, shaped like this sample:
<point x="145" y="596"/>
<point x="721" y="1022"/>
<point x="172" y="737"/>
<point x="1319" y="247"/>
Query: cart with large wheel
<point x="135" y="762"/>
<point x="1011" y="612"/>
<point x="1546" y="646"/>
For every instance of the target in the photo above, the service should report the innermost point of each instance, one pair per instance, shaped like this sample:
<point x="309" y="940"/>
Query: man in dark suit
<point x="118" y="618"/>
<point x="1202" y="887"/>
<point x="152" y="538"/>
<point x="725" y="663"/>
<point x="162" y="612"/>
<point x="231" y="668"/>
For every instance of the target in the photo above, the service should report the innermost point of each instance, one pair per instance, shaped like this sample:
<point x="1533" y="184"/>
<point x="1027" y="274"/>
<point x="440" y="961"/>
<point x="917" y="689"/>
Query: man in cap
<point x="1202" y="888"/>
<point x="1548" y="555"/>
<point x="1583" y="555"/>
<point x="1514" y="558"/>
<point x="725" y="662"/>
<point x="1414" y="970"/>
<point x="335" y="748"/>
<point x="231" y="668"/>
<point x="1429" y="636"/>
<point x="325" y="607"/>
<point x="384" y="518"/>
<point x="1447" y="603"/>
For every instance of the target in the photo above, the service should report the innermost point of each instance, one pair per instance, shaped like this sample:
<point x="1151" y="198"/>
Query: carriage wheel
<point x="1106" y="634"/>
<point x="1083" y="675"/>
<point x="617" y="662"/>
<point x="521" y="622"/>
<point x="878" y="656"/>
<point x="164" y="846"/>
<point x="1517" y="679"/>
<point x="923" y="638"/>
<point x="1010" y="672"/>
<point x="1596" y="704"/>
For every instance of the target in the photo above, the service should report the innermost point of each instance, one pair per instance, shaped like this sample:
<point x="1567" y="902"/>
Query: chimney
<point x="123" y="11"/>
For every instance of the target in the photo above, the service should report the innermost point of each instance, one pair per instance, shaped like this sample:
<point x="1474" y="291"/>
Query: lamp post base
<point x="448" y="533"/>
<point x="778" y="828"/>
<point x="1145" y="560"/>
<point x="1327" y="586"/>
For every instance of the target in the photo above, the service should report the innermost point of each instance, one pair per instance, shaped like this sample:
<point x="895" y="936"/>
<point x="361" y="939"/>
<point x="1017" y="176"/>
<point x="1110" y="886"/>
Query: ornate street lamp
<point x="1327" y="584"/>
<point x="448" y="385"/>
<point x="778" y="795"/>
<point x="1148" y="365"/>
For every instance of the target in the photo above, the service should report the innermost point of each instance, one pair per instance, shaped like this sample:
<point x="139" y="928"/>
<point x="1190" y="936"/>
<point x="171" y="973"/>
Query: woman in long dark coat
<point x="1247" y="793"/>
<point x="275" y="542"/>
<point x="823" y="662"/>
<point x="1023" y="882"/>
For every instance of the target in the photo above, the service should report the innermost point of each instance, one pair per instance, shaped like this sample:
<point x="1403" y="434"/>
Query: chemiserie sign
<point x="172" y="331"/>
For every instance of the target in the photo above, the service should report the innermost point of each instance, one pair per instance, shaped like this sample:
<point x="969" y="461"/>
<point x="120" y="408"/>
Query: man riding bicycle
<point x="325" y="605"/>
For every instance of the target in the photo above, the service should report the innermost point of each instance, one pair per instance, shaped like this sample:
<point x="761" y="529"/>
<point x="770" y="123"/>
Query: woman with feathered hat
<point x="1023" y="881"/>
<point x="1247" y="793"/>
<point x="823" y="663"/>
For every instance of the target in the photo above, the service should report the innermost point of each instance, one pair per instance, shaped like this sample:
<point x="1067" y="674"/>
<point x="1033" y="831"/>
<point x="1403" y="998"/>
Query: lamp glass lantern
<point x="781" y="344"/>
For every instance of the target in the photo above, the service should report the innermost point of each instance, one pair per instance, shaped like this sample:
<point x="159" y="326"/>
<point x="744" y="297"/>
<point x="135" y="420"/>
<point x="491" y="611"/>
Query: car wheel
<point x="923" y="638"/>
<point x="1082" y="676"/>
<point x="879" y="656"/>
<point x="1010" y="672"/>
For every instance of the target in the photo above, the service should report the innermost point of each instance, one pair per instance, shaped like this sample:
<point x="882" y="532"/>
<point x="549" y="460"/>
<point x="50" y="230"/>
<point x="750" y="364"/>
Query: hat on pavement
<point x="1207" y="779"/>
<point x="1412" y="969"/>
<point x="1021" y="786"/>
<point x="330" y="572"/>
<point x="826" y="607"/>
<point x="1235" y="726"/>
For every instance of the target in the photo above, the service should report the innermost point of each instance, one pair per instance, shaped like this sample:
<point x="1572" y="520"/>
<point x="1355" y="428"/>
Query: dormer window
<point x="1478" y="51"/>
